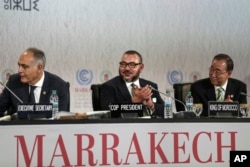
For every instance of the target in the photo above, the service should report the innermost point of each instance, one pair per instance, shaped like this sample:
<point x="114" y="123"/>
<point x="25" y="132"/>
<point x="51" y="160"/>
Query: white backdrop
<point x="84" y="39"/>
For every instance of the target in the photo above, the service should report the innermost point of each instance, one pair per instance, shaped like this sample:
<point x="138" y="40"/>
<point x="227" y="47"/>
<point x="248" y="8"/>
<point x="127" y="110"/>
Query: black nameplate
<point x="223" y="109"/>
<point x="32" y="111"/>
<point x="126" y="110"/>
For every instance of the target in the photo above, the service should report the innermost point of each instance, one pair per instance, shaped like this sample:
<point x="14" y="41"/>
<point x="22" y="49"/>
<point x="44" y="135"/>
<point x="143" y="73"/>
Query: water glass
<point x="244" y="110"/>
<point x="197" y="109"/>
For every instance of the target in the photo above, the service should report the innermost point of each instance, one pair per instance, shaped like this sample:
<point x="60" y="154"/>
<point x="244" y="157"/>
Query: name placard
<point x="32" y="111"/>
<point x="126" y="110"/>
<point x="223" y="109"/>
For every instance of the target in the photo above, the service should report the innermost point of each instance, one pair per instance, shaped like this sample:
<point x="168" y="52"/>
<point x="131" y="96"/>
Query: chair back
<point x="180" y="92"/>
<point x="68" y="88"/>
<point x="96" y="93"/>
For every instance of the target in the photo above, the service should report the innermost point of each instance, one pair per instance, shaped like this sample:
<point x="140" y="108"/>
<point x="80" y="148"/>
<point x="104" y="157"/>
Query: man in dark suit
<point x="219" y="86"/>
<point x="31" y="65"/>
<point x="129" y="88"/>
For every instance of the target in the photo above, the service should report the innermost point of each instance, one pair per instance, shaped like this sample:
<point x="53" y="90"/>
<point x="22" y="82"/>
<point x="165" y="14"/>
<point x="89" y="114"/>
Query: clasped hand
<point x="229" y="98"/>
<point x="142" y="95"/>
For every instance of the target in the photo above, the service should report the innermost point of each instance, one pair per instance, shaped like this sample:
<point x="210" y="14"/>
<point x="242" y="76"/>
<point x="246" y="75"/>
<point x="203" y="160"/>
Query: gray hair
<point x="38" y="55"/>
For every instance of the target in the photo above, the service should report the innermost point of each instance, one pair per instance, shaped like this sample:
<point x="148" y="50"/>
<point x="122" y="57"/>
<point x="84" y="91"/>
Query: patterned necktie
<point x="31" y="94"/>
<point x="132" y="89"/>
<point x="220" y="94"/>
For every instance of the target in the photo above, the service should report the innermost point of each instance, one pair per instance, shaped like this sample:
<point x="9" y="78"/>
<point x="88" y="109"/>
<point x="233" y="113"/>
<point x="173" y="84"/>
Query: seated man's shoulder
<point x="147" y="81"/>
<point x="112" y="81"/>
<point x="236" y="81"/>
<point x="15" y="81"/>
<point x="53" y="77"/>
<point x="202" y="83"/>
<point x="14" y="77"/>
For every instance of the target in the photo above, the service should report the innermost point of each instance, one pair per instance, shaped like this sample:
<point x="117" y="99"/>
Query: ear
<point x="229" y="73"/>
<point x="141" y="67"/>
<point x="40" y="67"/>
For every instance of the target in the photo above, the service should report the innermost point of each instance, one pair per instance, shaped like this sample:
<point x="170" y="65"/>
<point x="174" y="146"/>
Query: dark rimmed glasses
<point x="217" y="72"/>
<point x="130" y="64"/>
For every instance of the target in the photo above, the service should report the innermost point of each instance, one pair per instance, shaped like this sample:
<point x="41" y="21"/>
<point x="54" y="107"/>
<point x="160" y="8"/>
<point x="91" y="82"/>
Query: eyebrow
<point x="23" y="65"/>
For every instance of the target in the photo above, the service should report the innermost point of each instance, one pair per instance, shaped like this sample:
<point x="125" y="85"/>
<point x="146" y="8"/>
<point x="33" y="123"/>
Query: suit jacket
<point x="21" y="90"/>
<point x="115" y="91"/>
<point x="203" y="91"/>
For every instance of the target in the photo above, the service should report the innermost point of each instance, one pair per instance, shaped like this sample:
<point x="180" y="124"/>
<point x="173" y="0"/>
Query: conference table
<point x="123" y="142"/>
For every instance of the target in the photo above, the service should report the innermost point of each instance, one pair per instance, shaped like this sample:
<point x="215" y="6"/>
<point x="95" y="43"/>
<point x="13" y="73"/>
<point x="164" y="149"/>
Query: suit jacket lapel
<point x="211" y="96"/>
<point x="24" y="93"/>
<point x="124" y="90"/>
<point x="229" y="89"/>
<point x="142" y="83"/>
<point x="45" y="91"/>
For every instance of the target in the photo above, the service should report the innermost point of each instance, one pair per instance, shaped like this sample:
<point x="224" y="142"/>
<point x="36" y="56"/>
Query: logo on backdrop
<point x="174" y="77"/>
<point x="194" y="76"/>
<point x="105" y="76"/>
<point x="6" y="74"/>
<point x="21" y="5"/>
<point x="84" y="77"/>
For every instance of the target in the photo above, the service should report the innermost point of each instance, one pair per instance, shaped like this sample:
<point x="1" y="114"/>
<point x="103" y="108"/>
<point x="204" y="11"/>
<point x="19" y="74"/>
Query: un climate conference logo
<point x="194" y="76"/>
<point x="84" y="77"/>
<point x="105" y="75"/>
<point x="174" y="77"/>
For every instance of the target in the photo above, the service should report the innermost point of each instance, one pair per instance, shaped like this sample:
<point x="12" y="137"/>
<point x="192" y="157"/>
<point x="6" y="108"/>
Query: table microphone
<point x="244" y="94"/>
<point x="5" y="86"/>
<point x="169" y="96"/>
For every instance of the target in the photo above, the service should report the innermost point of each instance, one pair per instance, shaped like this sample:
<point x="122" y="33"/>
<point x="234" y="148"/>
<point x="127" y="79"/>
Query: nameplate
<point x="223" y="109"/>
<point x="126" y="110"/>
<point x="32" y="111"/>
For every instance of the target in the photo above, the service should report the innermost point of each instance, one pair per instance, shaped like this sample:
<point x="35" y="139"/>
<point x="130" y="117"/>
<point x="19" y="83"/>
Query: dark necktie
<point x="31" y="94"/>
<point x="133" y="86"/>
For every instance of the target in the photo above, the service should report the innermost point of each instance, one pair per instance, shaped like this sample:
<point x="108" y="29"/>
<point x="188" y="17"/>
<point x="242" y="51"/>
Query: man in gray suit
<point x="119" y="89"/>
<point x="31" y="72"/>
<point x="219" y="86"/>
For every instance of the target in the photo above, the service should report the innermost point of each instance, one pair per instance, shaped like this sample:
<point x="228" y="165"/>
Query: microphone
<point x="244" y="94"/>
<point x="169" y="96"/>
<point x="11" y="92"/>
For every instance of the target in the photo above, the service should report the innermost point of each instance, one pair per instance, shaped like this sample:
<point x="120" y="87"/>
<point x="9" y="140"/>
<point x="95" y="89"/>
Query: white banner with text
<point x="125" y="144"/>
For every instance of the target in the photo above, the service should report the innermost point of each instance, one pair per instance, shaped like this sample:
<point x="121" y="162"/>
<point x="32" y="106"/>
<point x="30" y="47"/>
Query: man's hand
<point x="229" y="98"/>
<point x="141" y="94"/>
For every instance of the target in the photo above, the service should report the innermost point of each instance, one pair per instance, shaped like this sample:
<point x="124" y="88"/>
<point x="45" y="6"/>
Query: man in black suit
<point x="119" y="90"/>
<point x="31" y="65"/>
<point x="219" y="83"/>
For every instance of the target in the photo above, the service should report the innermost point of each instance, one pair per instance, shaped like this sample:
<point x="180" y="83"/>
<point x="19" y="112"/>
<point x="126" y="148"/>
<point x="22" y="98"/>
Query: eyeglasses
<point x="130" y="65"/>
<point x="216" y="71"/>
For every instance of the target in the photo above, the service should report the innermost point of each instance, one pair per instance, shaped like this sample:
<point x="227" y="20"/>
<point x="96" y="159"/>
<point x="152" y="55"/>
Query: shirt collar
<point x="136" y="82"/>
<point x="40" y="82"/>
<point x="223" y="86"/>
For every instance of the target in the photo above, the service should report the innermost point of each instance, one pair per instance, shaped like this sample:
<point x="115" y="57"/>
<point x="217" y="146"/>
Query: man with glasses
<point x="219" y="86"/>
<point x="128" y="87"/>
